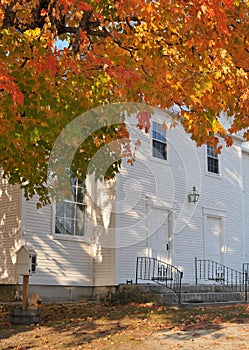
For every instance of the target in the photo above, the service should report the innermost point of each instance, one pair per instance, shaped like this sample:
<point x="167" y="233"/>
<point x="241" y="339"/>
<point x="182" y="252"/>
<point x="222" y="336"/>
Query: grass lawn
<point x="89" y="325"/>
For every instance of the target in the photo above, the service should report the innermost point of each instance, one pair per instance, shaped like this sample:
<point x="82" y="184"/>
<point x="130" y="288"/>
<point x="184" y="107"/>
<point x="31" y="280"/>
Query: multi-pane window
<point x="212" y="160"/>
<point x="70" y="214"/>
<point x="159" y="145"/>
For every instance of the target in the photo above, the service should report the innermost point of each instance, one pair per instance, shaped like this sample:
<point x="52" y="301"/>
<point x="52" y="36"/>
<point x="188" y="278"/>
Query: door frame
<point x="216" y="214"/>
<point x="170" y="230"/>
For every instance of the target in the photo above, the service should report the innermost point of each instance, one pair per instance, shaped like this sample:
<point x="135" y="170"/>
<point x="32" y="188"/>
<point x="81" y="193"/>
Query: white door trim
<point x="217" y="214"/>
<point x="168" y="238"/>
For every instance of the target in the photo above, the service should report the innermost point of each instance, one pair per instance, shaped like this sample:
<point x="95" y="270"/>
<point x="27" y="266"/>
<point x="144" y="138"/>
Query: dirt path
<point x="229" y="337"/>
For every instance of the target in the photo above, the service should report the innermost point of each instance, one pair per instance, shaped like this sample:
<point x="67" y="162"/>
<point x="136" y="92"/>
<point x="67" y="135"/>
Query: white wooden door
<point x="159" y="234"/>
<point x="214" y="239"/>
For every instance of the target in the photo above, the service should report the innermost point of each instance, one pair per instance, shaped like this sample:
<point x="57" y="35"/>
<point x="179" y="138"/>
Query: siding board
<point x="60" y="262"/>
<point x="10" y="208"/>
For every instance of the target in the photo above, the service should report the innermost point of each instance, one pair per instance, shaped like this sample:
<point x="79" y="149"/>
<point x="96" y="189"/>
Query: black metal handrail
<point x="210" y="270"/>
<point x="246" y="272"/>
<point x="151" y="269"/>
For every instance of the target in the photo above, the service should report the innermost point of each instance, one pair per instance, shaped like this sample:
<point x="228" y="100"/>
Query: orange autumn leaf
<point x="143" y="118"/>
<point x="62" y="58"/>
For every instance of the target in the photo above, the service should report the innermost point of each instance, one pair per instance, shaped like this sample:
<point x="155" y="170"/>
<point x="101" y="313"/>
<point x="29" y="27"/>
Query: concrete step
<point x="200" y="288"/>
<point x="204" y="304"/>
<point x="199" y="298"/>
<point x="212" y="297"/>
<point x="209" y="288"/>
<point x="191" y="294"/>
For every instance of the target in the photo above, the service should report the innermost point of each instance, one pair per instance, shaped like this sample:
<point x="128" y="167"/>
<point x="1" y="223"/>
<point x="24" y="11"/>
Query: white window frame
<point x="74" y="204"/>
<point x="159" y="136"/>
<point x="212" y="156"/>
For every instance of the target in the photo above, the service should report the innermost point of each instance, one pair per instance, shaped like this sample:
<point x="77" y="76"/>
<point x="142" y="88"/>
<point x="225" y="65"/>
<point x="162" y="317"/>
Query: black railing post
<point x="214" y="271"/>
<point x="143" y="267"/>
<point x="246" y="280"/>
<point x="180" y="288"/>
<point x="137" y="270"/>
<point x="154" y="268"/>
<point x="245" y="269"/>
<point x="159" y="272"/>
<point x="196" y="271"/>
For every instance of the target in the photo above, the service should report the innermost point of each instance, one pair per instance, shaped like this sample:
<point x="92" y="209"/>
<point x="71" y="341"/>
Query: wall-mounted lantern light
<point x="193" y="196"/>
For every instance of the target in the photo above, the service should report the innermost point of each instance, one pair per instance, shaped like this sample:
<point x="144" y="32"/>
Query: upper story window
<point x="212" y="160"/>
<point x="159" y="145"/>
<point x="70" y="214"/>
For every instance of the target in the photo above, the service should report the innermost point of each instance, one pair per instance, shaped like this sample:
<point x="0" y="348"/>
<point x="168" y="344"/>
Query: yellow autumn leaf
<point x="217" y="74"/>
<point x="32" y="33"/>
<point x="168" y="76"/>
<point x="216" y="126"/>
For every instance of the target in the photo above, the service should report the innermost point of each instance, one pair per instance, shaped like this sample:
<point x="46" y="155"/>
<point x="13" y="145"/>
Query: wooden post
<point x="25" y="292"/>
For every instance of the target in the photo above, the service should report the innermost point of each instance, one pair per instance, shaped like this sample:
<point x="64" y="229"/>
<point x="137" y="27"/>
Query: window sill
<point x="214" y="175"/>
<point x="62" y="237"/>
<point x="159" y="160"/>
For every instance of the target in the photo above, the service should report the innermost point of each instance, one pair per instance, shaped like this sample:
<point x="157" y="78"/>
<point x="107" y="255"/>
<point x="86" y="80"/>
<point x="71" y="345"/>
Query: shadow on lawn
<point x="82" y="323"/>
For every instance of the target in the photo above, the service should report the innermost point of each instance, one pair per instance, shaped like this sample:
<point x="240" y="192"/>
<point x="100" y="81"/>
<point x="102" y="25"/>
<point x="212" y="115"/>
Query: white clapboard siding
<point x="231" y="194"/>
<point x="60" y="261"/>
<point x="246" y="203"/>
<point x="163" y="184"/>
<point x="104" y="257"/>
<point x="223" y="194"/>
<point x="127" y="261"/>
<point x="10" y="212"/>
<point x="170" y="182"/>
<point x="104" y="267"/>
<point x="103" y="195"/>
<point x="187" y="226"/>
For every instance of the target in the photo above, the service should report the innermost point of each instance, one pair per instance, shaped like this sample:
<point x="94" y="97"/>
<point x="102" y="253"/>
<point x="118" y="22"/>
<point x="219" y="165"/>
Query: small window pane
<point x="70" y="215"/>
<point x="159" y="145"/>
<point x="213" y="165"/>
<point x="211" y="152"/>
<point x="59" y="225"/>
<point x="159" y="150"/>
<point x="212" y="160"/>
<point x="79" y="229"/>
<point x="69" y="226"/>
<point x="154" y="134"/>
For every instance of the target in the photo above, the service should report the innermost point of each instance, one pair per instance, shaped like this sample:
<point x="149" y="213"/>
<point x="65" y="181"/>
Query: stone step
<point x="207" y="288"/>
<point x="200" y="288"/>
<point x="191" y="294"/>
<point x="209" y="303"/>
<point x="196" y="298"/>
<point x="211" y="297"/>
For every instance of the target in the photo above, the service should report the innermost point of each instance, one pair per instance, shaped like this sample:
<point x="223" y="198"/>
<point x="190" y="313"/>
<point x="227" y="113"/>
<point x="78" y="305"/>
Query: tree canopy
<point x="61" y="58"/>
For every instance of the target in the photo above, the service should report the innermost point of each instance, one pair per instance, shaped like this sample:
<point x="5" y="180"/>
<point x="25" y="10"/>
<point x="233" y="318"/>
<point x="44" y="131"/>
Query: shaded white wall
<point x="170" y="182"/>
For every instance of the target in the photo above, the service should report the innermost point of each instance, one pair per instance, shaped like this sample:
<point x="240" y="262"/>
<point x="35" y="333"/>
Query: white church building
<point x="176" y="202"/>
